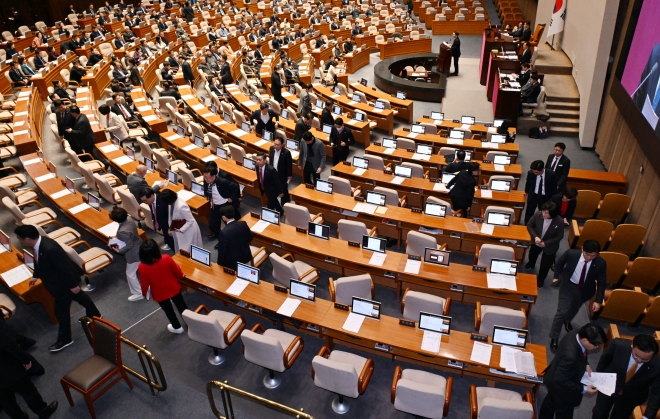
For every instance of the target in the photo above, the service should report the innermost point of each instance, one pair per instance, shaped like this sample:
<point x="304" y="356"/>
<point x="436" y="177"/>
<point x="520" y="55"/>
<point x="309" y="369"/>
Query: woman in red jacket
<point x="162" y="275"/>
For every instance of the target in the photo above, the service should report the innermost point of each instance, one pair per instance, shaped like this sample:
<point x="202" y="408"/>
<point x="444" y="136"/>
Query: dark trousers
<point x="456" y="65"/>
<point x="534" y="202"/>
<point x="553" y="407"/>
<point x="275" y="205"/>
<point x="569" y="303"/>
<point x="180" y="304"/>
<point x="309" y="174"/>
<point x="285" y="190"/>
<point x="623" y="407"/>
<point x="215" y="219"/>
<point x="23" y="387"/>
<point x="546" y="263"/>
<point x="169" y="240"/>
<point x="339" y="154"/>
<point x="63" y="312"/>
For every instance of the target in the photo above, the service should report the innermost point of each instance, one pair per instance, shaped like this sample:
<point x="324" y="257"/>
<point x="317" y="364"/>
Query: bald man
<point x="136" y="181"/>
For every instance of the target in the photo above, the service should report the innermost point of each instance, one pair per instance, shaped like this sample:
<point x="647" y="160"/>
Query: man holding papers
<point x="637" y="369"/>
<point x="546" y="229"/>
<point x="563" y="375"/>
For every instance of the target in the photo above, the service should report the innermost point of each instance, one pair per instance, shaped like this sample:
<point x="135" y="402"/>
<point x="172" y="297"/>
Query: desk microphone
<point x="655" y="66"/>
<point x="502" y="48"/>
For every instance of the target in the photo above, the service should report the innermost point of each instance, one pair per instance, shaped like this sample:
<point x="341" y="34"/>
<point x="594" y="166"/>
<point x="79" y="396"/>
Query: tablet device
<point x="270" y="216"/>
<point x="227" y="118"/>
<point x="509" y="336"/>
<point x="180" y="131"/>
<point x="94" y="201"/>
<point x="359" y="116"/>
<point x="438" y="116"/>
<point x="336" y="110"/>
<point x="363" y="82"/>
<point x="221" y="152"/>
<point x="417" y="129"/>
<point x="200" y="255"/>
<point x="68" y="183"/>
<point x="367" y="308"/>
<point x="197" y="188"/>
<point x="249" y="163"/>
<point x="379" y="105"/>
<point x="284" y="114"/>
<point x="247" y="273"/>
<point x="318" y="230"/>
<point x="434" y="323"/>
<point x="268" y="136"/>
<point x="498" y="139"/>
<point x="500" y="185"/>
<point x="389" y="143"/>
<point x="437" y="257"/>
<point x="436" y="210"/>
<point x="360" y="162"/>
<point x="375" y="198"/>
<point x="130" y="153"/>
<point x="28" y="259"/>
<point x="375" y="244"/>
<point x="403" y="171"/>
<point x="302" y="290"/>
<point x="149" y="163"/>
<point x="498" y="218"/>
<point x="447" y="177"/>
<point x="171" y="177"/>
<point x="323" y="186"/>
<point x="52" y="168"/>
<point x="504" y="267"/>
<point x="424" y="149"/>
<point x="327" y="129"/>
<point x="356" y="98"/>
<point x="502" y="159"/>
<point x="401" y="95"/>
<point x="4" y="240"/>
<point x="456" y="134"/>
<point x="245" y="126"/>
<point x="292" y="144"/>
<point x="467" y="120"/>
<point x="319" y="103"/>
<point x="199" y="141"/>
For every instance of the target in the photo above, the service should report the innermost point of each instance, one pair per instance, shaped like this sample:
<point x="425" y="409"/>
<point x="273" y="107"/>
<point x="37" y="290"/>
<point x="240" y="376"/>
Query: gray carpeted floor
<point x="184" y="362"/>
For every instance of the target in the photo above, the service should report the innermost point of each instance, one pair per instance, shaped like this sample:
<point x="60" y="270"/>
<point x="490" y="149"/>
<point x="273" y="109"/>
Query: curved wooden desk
<point x="404" y="107"/>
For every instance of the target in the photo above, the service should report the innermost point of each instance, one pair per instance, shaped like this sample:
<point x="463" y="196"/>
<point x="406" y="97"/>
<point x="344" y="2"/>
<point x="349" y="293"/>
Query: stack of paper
<point x="412" y="266"/>
<point x="260" y="226"/>
<point x="197" y="107"/>
<point x="418" y="156"/>
<point x="485" y="193"/>
<point x="120" y="161"/>
<point x="389" y="150"/>
<point x="500" y="281"/>
<point x="79" y="208"/>
<point x="110" y="230"/>
<point x="487" y="229"/>
<point x="398" y="180"/>
<point x="16" y="276"/>
<point x="604" y="382"/>
<point x="60" y="194"/>
<point x="185" y="195"/>
<point x="515" y="360"/>
<point x="238" y="133"/>
<point x="120" y="244"/>
<point x="108" y="148"/>
<point x="31" y="161"/>
<point x="209" y="158"/>
<point x="288" y="307"/>
<point x="454" y="141"/>
<point x="481" y="353"/>
<point x="377" y="259"/>
<point x="440" y="187"/>
<point x="45" y="177"/>
<point x="237" y="287"/>
<point x="189" y="147"/>
<point x="366" y="208"/>
<point x="359" y="171"/>
<point x="431" y="341"/>
<point x="353" y="322"/>
<point x="412" y="135"/>
<point x="500" y="167"/>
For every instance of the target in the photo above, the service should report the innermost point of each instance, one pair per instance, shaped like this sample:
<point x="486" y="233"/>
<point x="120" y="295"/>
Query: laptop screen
<point x="284" y="114"/>
<point x="498" y="218"/>
<point x="510" y="337"/>
<point x="389" y="143"/>
<point x="498" y="138"/>
<point x="456" y="134"/>
<point x="504" y="267"/>
<point x="447" y="177"/>
<point x="368" y="308"/>
<point x="268" y="136"/>
<point x="437" y="210"/>
<point x="247" y="273"/>
<point x="327" y="129"/>
<point x="200" y="255"/>
<point x="438" y="116"/>
<point x="270" y="216"/>
<point x="374" y="244"/>
<point x="467" y="120"/>
<point x="149" y="163"/>
<point x="292" y="144"/>
<point x="500" y="185"/>
<point x="180" y="131"/>
<point x="248" y="163"/>
<point x="401" y="95"/>
<point x="424" y="149"/>
<point x="361" y="162"/>
<point x="438" y="257"/>
<point x="197" y="188"/>
<point x="417" y="129"/>
<point x="336" y="110"/>
<point x="502" y="159"/>
<point x="302" y="290"/>
<point x="359" y="116"/>
<point x="221" y="152"/>
<point x="375" y="198"/>
<point x="434" y="323"/>
<point x="171" y="177"/>
<point x="403" y="171"/>
<point x="318" y="230"/>
<point x="323" y="186"/>
<point x="245" y="126"/>
<point x="94" y="201"/>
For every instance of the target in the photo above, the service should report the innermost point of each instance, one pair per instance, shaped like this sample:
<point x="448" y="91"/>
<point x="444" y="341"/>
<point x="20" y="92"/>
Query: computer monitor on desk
<point x="374" y="244"/>
<point x="447" y="177"/>
<point x="437" y="116"/>
<point x="247" y="273"/>
<point x="319" y="103"/>
<point x="245" y="126"/>
<point x="389" y="143"/>
<point x="437" y="257"/>
<point x="336" y="110"/>
<point x="180" y="131"/>
<point x="221" y="152"/>
<point x="358" y="116"/>
<point x="323" y="186"/>
<point x="510" y="337"/>
<point x="302" y="290"/>
<point x="197" y="188"/>
<point x="28" y="259"/>
<point x="171" y="177"/>
<point x="379" y="104"/>
<point x="497" y="218"/>
<point x="360" y="162"/>
<point x="502" y="159"/>
<point x="327" y="129"/>
<point x="456" y="134"/>
<point x="467" y="120"/>
<point x="426" y="149"/>
<point x="199" y="141"/>
<point x="504" y="267"/>
<point x="318" y="230"/>
<point x="403" y="171"/>
<point x="498" y="138"/>
<point x="500" y="185"/>
<point x="417" y="129"/>
<point x="227" y="117"/>
<point x="401" y="95"/>
<point x="292" y="144"/>
<point x="249" y="163"/>
<point x="70" y="185"/>
<point x="434" y="323"/>
<point x="270" y="216"/>
<point x="284" y="114"/>
<point x="375" y="198"/>
<point x="150" y="164"/>
<point x="367" y="308"/>
<point x="200" y="255"/>
<point x="436" y="210"/>
<point x="94" y="201"/>
<point x="268" y="136"/>
<point x="130" y="153"/>
<point x="356" y="97"/>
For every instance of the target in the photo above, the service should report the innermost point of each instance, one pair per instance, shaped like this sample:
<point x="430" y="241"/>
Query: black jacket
<point x="456" y="166"/>
<point x="269" y="126"/>
<point x="456" y="47"/>
<point x="336" y="138"/>
<point x="172" y="92"/>
<point x="82" y="133"/>
<point x="552" y="236"/>
<point x="524" y="78"/>
<point x="526" y="56"/>
<point x="225" y="74"/>
<point x="595" y="280"/>
<point x="115" y="109"/>
<point x="532" y="94"/>
<point x="462" y="192"/>
<point x="550" y="183"/>
<point x="276" y="86"/>
<point x="327" y="118"/>
<point x="301" y="128"/>
<point x="77" y="74"/>
<point x="12" y="361"/>
<point x="187" y="72"/>
<point x="571" y="206"/>
<point x="563" y="375"/>
<point x="284" y="164"/>
<point x="134" y="76"/>
<point x="188" y="13"/>
<point x="562" y="169"/>
<point x="234" y="244"/>
<point x="64" y="123"/>
<point x="55" y="269"/>
<point x="272" y="185"/>
<point x="227" y="188"/>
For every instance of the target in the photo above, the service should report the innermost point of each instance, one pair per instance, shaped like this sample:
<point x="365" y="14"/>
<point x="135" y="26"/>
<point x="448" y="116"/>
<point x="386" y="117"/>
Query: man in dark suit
<point x="458" y="164"/>
<point x="455" y="52"/>
<point x="136" y="181"/>
<point x="303" y="125"/>
<point x="121" y="109"/>
<point x="40" y="62"/>
<point x="276" y="84"/>
<point x="234" y="240"/>
<point x="563" y="375"/>
<point x="526" y="56"/>
<point x="264" y="119"/>
<point x="81" y="133"/>
<point x="225" y="71"/>
<point x="64" y="119"/>
<point x="188" y="75"/>
<point x="580" y="274"/>
<point x="269" y="183"/>
<point x="546" y="229"/>
<point x="280" y="158"/>
<point x="341" y="138"/>
<point x="524" y="33"/>
<point x="16" y="76"/>
<point x="60" y="91"/>
<point x="159" y="214"/>
<point x="326" y="114"/>
<point x="525" y="74"/>
<point x="637" y="370"/>
<point x="220" y="192"/>
<point x="530" y="95"/>
<point x="648" y="91"/>
<point x="15" y="368"/>
<point x="172" y="60"/>
<point x="540" y="186"/>
<point x="60" y="275"/>
<point x="560" y="164"/>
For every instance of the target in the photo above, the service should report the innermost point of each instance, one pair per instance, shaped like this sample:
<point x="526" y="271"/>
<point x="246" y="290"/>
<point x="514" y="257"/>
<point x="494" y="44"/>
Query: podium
<point x="443" y="64"/>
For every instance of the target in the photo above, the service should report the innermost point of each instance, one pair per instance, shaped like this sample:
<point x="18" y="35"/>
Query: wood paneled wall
<point x="528" y="8"/>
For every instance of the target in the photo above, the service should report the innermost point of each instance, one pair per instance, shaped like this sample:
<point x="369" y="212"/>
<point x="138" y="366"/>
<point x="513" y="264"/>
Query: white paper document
<point x="431" y="341"/>
<point x="359" y="171"/>
<point x="366" y="208"/>
<point x="485" y="193"/>
<point x="16" y="275"/>
<point x="237" y="287"/>
<point x="150" y="118"/>
<point x="198" y="107"/>
<point x="288" y="307"/>
<point x="189" y="147"/>
<point x="500" y="281"/>
<point x="31" y="161"/>
<point x="260" y="226"/>
<point x="353" y="322"/>
<point x="412" y="135"/>
<point x="603" y="381"/>
<point x="490" y="145"/>
<point x="377" y="259"/>
<point x="19" y="124"/>
<point x="261" y="142"/>
<point x="454" y="141"/>
<point x="187" y="97"/>
<point x="248" y="103"/>
<point x="120" y="161"/>
<point x="115" y="241"/>
<point x="418" y="156"/>
<point x="110" y="230"/>
<point x="412" y="266"/>
<point x="144" y="108"/>
<point x="109" y="148"/>
<point x="185" y="195"/>
<point x="79" y="208"/>
<point x="398" y="180"/>
<point x="487" y="229"/>
<point x="500" y="167"/>
<point x="492" y="130"/>
<point x="45" y="177"/>
<point x="238" y="133"/>
<point x="389" y="150"/>
<point x="60" y="194"/>
<point x="440" y="187"/>
<point x="209" y="158"/>
<point x="517" y="361"/>
<point x="481" y="353"/>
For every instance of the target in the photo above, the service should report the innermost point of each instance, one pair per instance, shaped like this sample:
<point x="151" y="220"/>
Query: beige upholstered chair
<point x="343" y="186"/>
<point x="421" y="393"/>
<point x="343" y="373"/>
<point x="217" y="329"/>
<point x="7" y="307"/>
<point x="163" y="163"/>
<point x="342" y="290"/>
<point x="405" y="143"/>
<point x="92" y="260"/>
<point x="504" y="210"/>
<point x="22" y="197"/>
<point x="106" y="191"/>
<point x="413" y="302"/>
<point x="448" y="212"/>
<point x="391" y="196"/>
<point x="64" y="235"/>
<point x="354" y="230"/>
<point x="93" y="165"/>
<point x="496" y="403"/>
<point x="272" y="349"/>
<point x="485" y="317"/>
<point x="485" y="253"/>
<point x="417" y="242"/>
<point x="40" y="216"/>
<point x="286" y="268"/>
<point x="237" y="152"/>
<point x="299" y="216"/>
<point x="375" y="162"/>
<point x="259" y="255"/>
<point x="417" y="170"/>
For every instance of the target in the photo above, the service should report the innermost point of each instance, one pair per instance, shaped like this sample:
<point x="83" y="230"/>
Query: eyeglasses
<point x="639" y="359"/>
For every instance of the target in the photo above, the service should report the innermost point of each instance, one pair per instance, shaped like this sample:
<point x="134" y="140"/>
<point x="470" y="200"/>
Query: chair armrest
<point x="474" y="407"/>
<point x="196" y="170"/>
<point x="365" y="375"/>
<point x="153" y="143"/>
<point x="477" y="316"/>
<point x="26" y="190"/>
<point x="443" y="246"/>
<point x="30" y="202"/>
<point x="476" y="254"/>
<point x="373" y="232"/>
<point x="261" y="249"/>
<point x="332" y="290"/>
<point x="105" y="255"/>
<point x="79" y="242"/>
<point x="573" y="234"/>
<point x="15" y="177"/>
<point x="403" y="299"/>
<point x="10" y="168"/>
<point x="3" y="308"/>
<point x="73" y="83"/>
<point x="204" y="308"/>
<point x="524" y="311"/>
<point x="51" y="221"/>
<point x="403" y="201"/>
<point x="318" y="275"/>
<point x="426" y="174"/>
<point x="388" y="166"/>
<point x="257" y="327"/>
<point x="229" y="341"/>
<point x="357" y="191"/>
<point x="324" y="352"/>
<point x="445" y="309"/>
<point x="318" y="218"/>
<point x="458" y="213"/>
<point x="450" y="384"/>
<point x="482" y="213"/>
<point x="114" y="178"/>
<point x="395" y="380"/>
<point x="288" y="256"/>
<point x="288" y="361"/>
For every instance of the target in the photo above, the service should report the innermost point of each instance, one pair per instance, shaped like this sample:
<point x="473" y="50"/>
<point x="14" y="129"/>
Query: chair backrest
<point x="587" y="204"/>
<point x="239" y="118"/>
<point x="297" y="215"/>
<point x="642" y="273"/>
<point x="89" y="176"/>
<point x="391" y="196"/>
<point x="204" y="329"/>
<point x="405" y="143"/>
<point x="351" y="230"/>
<point x="163" y="101"/>
<point x="429" y="128"/>
<point x="73" y="255"/>
<point x="616" y="266"/>
<point x="341" y="185"/>
<point x="353" y="286"/>
<point x="237" y="152"/>
<point x="283" y="270"/>
<point x="106" y="49"/>
<point x="162" y="162"/>
<point x="500" y="177"/>
<point x="7" y="36"/>
<point x="196" y="129"/>
<point x="73" y="158"/>
<point x="614" y="207"/>
<point x="491" y="154"/>
<point x="262" y="350"/>
<point x="145" y="150"/>
<point x="500" y="316"/>
<point x="598" y="230"/>
<point x="417" y="242"/>
<point x="105" y="189"/>
<point x="416" y="301"/>
<point x="627" y="238"/>
<point x="334" y="376"/>
<point x="187" y="177"/>
<point x="447" y="151"/>
<point x="417" y="169"/>
<point x="495" y="407"/>
<point x="504" y="210"/>
<point x="625" y="305"/>
<point x="106" y="340"/>
<point x="215" y="142"/>
<point x="130" y="204"/>
<point x="14" y="209"/>
<point x="6" y="191"/>
<point x="652" y="317"/>
<point x="436" y="200"/>
<point x="487" y="252"/>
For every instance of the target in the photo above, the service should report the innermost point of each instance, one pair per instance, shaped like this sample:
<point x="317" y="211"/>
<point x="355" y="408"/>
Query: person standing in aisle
<point x="269" y="183"/>
<point x="280" y="158"/>
<point x="186" y="234"/>
<point x="560" y="164"/>
<point x="311" y="160"/>
<point x="128" y="234"/>
<point x="455" y="52"/>
<point x="546" y="229"/>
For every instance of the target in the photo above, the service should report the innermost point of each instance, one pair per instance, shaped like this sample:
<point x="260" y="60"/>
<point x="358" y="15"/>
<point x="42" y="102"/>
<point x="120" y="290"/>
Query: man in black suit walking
<point x="563" y="375"/>
<point x="455" y="52"/>
<point x="269" y="183"/>
<point x="220" y="192"/>
<point x="264" y="119"/>
<point x="60" y="275"/>
<point x="546" y="229"/>
<point x="280" y="158"/>
<point x="458" y="164"/>
<point x="64" y="121"/>
<point x="15" y="366"/>
<point x="81" y="133"/>
<point x="276" y="84"/>
<point x="581" y="274"/>
<point x="159" y="214"/>
<point x="341" y="138"/>
<point x="560" y="164"/>
<point x="637" y="369"/>
<point x="234" y="240"/>
<point x="188" y="75"/>
<point x="541" y="185"/>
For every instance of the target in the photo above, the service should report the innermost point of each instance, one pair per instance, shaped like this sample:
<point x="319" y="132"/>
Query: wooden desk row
<point x="28" y="121"/>
<point x="384" y="337"/>
<point x="412" y="46"/>
<point x="404" y="107"/>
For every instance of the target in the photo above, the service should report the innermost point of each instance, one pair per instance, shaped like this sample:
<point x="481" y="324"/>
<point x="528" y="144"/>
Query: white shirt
<point x="631" y="362"/>
<point x="575" y="278"/>
<point x="546" y="225"/>
<point x="35" y="248"/>
<point x="217" y="198"/>
<point x="538" y="180"/>
<point x="554" y="163"/>
<point x="276" y="158"/>
<point x="265" y="117"/>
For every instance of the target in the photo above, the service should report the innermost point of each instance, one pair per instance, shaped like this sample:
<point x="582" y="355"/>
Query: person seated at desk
<point x="10" y="50"/>
<point x="524" y="33"/>
<point x="25" y="67"/>
<point x="16" y="75"/>
<point x="128" y="36"/>
<point x="289" y="75"/>
<point x="357" y="30"/>
<point x="77" y="72"/>
<point x="145" y="49"/>
<point x="103" y="19"/>
<point x="121" y="109"/>
<point x="532" y="94"/>
<point x="525" y="74"/>
<point x="162" y="24"/>
<point x="95" y="56"/>
<point x="120" y="74"/>
<point x="90" y="10"/>
<point x="264" y="119"/>
<point x="204" y="67"/>
<point x="98" y="33"/>
<point x="118" y="42"/>
<point x="118" y="87"/>
<point x="348" y="45"/>
<point x="458" y="164"/>
<point x="504" y="130"/>
<point x="276" y="43"/>
<point x="216" y="88"/>
<point x="60" y="91"/>
<point x="160" y="42"/>
<point x="223" y="32"/>
<point x="337" y="52"/>
<point x="334" y="25"/>
<point x="166" y="73"/>
<point x="40" y="61"/>
<point x="226" y="49"/>
<point x="38" y="40"/>
<point x="331" y="71"/>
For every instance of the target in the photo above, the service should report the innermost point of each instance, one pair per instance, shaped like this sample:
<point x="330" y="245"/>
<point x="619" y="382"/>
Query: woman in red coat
<point x="162" y="275"/>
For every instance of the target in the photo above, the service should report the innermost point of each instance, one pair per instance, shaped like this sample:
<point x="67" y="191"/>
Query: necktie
<point x="62" y="116"/>
<point x="583" y="276"/>
<point x="36" y="262"/>
<point x="153" y="210"/>
<point x="262" y="178"/>
<point x="554" y="163"/>
<point x="631" y="371"/>
<point x="540" y="190"/>
<point x="584" y="353"/>
<point x="126" y="114"/>
<point x="656" y="99"/>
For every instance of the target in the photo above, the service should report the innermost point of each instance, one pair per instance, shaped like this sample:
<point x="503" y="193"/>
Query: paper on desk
<point x="418" y="156"/>
<point x="45" y="177"/>
<point x="261" y="142"/>
<point x="412" y="266"/>
<point x="120" y="161"/>
<point x="120" y="244"/>
<point x="16" y="275"/>
<point x="288" y="307"/>
<point x="389" y="151"/>
<point x="366" y="208"/>
<point x="220" y="122"/>
<point x="490" y="145"/>
<point x="110" y="230"/>
<point x="454" y="141"/>
<point x="260" y="226"/>
<point x="189" y="147"/>
<point x="524" y="364"/>
<point x="3" y="249"/>
<point x="376" y="110"/>
<point x="237" y="287"/>
<point x="500" y="167"/>
<point x="353" y="322"/>
<point x="349" y="213"/>
<point x="248" y="103"/>
<point x="440" y="187"/>
<point x="465" y="127"/>
<point x="352" y="102"/>
<point x="108" y="148"/>
<point x="603" y="381"/>
<point x="500" y="281"/>
<point x="359" y="171"/>
<point x="31" y="161"/>
<point x="79" y="208"/>
<point x="187" y="97"/>
<point x="208" y="115"/>
<point x="60" y="194"/>
<point x="185" y="195"/>
<point x="150" y="118"/>
<point x="17" y="133"/>
<point x="238" y="133"/>
<point x="144" y="108"/>
<point x="481" y="353"/>
<point x="492" y="130"/>
<point x="209" y="158"/>
<point x="381" y="210"/>
<point x="377" y="259"/>
<point x="485" y="193"/>
<point x="198" y="107"/>
<point x="487" y="229"/>
<point x="19" y="124"/>
<point x="140" y="99"/>
<point x="398" y="180"/>
<point x="431" y="341"/>
<point x="412" y="135"/>
<point x="506" y="358"/>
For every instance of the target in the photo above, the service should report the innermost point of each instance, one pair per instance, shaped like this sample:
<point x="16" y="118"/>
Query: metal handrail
<point x="225" y="392"/>
<point x="157" y="383"/>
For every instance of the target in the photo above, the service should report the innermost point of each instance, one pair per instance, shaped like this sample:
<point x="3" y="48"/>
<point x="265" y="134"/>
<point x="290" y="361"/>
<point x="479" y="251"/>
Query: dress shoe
<point x="529" y="266"/>
<point x="568" y="326"/>
<point x="210" y="236"/>
<point x="216" y="245"/>
<point x="58" y="346"/>
<point x="48" y="411"/>
<point x="554" y="344"/>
